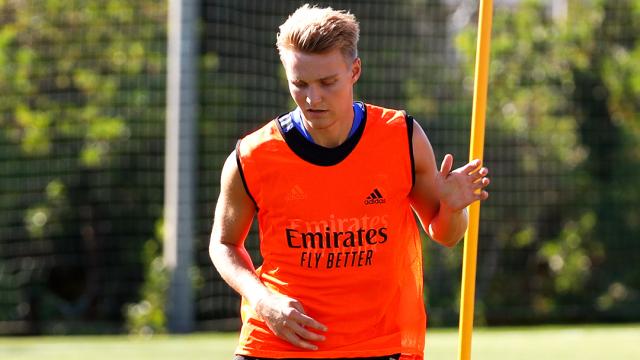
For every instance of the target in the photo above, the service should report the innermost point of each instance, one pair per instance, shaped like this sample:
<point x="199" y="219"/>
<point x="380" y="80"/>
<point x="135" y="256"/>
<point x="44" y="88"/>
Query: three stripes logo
<point x="296" y="193"/>
<point x="374" y="198"/>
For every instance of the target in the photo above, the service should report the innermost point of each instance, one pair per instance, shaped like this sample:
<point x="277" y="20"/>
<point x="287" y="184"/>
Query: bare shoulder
<point x="230" y="169"/>
<point x="234" y="209"/>
<point x="423" y="155"/>
<point x="231" y="183"/>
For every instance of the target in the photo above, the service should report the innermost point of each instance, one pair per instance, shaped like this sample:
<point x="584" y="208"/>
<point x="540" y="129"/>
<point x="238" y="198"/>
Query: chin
<point x="317" y="119"/>
<point x="320" y="124"/>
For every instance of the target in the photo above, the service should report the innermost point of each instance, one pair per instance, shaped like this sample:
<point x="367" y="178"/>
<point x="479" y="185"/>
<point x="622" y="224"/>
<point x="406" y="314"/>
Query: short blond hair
<point x="317" y="30"/>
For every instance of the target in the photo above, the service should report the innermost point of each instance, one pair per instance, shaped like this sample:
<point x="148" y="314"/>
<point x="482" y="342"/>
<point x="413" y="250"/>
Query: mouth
<point x="316" y="111"/>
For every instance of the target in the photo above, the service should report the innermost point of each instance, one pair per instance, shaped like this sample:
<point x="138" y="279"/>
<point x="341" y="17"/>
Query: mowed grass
<point x="531" y="343"/>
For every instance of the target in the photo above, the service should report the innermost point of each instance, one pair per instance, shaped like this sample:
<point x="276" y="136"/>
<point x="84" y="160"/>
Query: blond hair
<point x="316" y="30"/>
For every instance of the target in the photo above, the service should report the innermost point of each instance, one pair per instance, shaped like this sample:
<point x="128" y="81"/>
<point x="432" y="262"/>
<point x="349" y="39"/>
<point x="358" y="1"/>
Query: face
<point x="322" y="86"/>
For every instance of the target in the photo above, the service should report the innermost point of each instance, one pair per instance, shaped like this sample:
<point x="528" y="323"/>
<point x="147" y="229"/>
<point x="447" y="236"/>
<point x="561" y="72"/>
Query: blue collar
<point x="358" y="114"/>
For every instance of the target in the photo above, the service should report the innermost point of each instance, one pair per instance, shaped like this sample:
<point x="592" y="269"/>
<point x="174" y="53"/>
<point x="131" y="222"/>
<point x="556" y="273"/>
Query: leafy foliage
<point x="147" y="317"/>
<point x="82" y="79"/>
<point x="566" y="92"/>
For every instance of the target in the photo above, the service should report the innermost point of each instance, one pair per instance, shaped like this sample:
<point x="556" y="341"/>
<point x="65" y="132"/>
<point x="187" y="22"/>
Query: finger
<point x="447" y="165"/>
<point x="471" y="166"/>
<point x="295" y="340"/>
<point x="480" y="173"/>
<point x="304" y="333"/>
<point x="306" y="320"/>
<point x="297" y="305"/>
<point x="483" y="195"/>
<point x="484" y="182"/>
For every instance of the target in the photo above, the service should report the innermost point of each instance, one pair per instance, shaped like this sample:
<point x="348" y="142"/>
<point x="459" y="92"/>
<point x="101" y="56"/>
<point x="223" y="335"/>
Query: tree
<point x="563" y="100"/>
<point x="86" y="103"/>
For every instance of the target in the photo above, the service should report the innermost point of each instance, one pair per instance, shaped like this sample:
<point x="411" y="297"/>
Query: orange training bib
<point x="338" y="234"/>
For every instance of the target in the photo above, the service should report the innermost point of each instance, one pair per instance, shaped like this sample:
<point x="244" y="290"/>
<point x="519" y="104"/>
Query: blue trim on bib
<point x="296" y="120"/>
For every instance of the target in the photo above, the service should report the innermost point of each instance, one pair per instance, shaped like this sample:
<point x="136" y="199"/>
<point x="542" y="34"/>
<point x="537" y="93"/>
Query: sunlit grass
<point x="539" y="343"/>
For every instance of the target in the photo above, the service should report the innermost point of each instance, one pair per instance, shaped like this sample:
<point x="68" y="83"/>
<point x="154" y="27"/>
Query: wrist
<point x="446" y="210"/>
<point x="257" y="296"/>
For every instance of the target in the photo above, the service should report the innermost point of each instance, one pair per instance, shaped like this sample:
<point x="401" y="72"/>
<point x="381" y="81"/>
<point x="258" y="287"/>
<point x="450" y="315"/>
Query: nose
<point x="314" y="96"/>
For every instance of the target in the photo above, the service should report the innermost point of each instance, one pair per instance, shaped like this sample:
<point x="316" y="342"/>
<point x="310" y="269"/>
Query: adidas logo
<point x="296" y="193"/>
<point x="374" y="198"/>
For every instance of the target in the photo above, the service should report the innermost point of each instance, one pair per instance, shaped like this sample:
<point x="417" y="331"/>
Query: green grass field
<point x="531" y="343"/>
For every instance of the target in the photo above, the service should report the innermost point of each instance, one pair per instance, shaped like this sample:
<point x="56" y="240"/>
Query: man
<point x="335" y="184"/>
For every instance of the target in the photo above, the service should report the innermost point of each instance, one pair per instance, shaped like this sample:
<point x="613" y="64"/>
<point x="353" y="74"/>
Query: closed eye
<point x="299" y="84"/>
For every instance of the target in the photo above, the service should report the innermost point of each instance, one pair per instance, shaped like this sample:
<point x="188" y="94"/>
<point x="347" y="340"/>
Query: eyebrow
<point x="321" y="79"/>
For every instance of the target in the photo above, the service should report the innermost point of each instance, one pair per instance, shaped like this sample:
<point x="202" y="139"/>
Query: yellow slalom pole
<point x="475" y="152"/>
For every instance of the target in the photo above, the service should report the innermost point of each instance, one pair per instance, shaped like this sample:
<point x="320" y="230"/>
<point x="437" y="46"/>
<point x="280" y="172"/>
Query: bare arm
<point x="232" y="220"/>
<point x="440" y="197"/>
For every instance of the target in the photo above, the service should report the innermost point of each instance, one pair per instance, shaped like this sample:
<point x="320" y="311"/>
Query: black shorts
<point x="386" y="357"/>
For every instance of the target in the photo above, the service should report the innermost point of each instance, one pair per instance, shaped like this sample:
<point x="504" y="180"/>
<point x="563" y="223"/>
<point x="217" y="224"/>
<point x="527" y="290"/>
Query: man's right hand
<point x="232" y="220"/>
<point x="286" y="318"/>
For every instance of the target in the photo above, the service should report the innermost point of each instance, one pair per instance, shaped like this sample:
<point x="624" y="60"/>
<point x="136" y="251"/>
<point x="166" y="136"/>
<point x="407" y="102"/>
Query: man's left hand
<point x="457" y="189"/>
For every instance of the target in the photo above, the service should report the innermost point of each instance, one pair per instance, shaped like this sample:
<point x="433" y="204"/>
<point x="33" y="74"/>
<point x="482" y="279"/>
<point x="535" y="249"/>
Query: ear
<point x="356" y="70"/>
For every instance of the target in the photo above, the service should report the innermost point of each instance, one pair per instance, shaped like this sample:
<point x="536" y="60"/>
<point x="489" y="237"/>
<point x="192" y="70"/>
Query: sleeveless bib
<point x="338" y="234"/>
